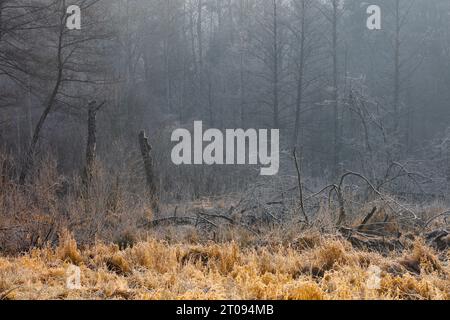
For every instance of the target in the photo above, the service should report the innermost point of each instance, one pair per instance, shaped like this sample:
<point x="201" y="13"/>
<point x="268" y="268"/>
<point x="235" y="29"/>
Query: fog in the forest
<point x="346" y="98"/>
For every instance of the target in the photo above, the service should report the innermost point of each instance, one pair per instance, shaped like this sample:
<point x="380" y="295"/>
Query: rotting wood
<point x="150" y="178"/>
<point x="91" y="145"/>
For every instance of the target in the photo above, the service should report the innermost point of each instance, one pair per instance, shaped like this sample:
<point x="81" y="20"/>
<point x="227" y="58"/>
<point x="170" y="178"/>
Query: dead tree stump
<point x="146" y="148"/>
<point x="91" y="139"/>
<point x="91" y="145"/>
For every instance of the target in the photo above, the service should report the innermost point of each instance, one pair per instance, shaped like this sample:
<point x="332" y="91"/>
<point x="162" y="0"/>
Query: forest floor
<point x="312" y="267"/>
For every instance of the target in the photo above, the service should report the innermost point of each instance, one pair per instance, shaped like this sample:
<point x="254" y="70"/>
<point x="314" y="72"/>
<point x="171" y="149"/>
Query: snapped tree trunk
<point x="91" y="145"/>
<point x="92" y="139"/>
<point x="146" y="148"/>
<point x="300" y="186"/>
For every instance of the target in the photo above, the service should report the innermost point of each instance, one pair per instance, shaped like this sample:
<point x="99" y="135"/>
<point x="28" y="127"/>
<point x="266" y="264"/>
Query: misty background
<point x="375" y="102"/>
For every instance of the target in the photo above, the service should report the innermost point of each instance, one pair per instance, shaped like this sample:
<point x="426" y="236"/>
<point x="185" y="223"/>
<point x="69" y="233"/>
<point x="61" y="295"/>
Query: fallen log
<point x="365" y="241"/>
<point x="170" y="221"/>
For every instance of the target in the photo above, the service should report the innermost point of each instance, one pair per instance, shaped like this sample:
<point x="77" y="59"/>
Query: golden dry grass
<point x="313" y="267"/>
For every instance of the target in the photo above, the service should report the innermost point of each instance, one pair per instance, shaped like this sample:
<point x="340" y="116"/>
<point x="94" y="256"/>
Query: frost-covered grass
<point x="311" y="267"/>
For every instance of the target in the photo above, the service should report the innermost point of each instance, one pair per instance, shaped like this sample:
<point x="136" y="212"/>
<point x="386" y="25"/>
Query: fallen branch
<point x="429" y="221"/>
<point x="367" y="218"/>
<point x="170" y="220"/>
<point x="4" y="295"/>
<point x="382" y="196"/>
<point x="219" y="216"/>
<point x="300" y="187"/>
<point x="199" y="216"/>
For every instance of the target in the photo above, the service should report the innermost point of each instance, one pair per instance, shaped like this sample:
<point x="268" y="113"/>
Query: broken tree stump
<point x="91" y="144"/>
<point x="150" y="178"/>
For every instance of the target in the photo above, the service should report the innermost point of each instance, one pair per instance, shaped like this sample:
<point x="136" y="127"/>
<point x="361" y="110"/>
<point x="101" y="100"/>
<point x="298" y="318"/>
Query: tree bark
<point x="149" y="169"/>
<point x="91" y="145"/>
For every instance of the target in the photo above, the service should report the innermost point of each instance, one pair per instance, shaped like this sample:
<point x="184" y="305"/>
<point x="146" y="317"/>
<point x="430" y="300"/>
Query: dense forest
<point x="86" y="118"/>
<point x="347" y="96"/>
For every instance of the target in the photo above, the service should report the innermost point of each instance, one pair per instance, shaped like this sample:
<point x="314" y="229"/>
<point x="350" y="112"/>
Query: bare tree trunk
<point x="335" y="97"/>
<point x="241" y="89"/>
<point x="185" y="67"/>
<point x="275" y="67"/>
<point x="148" y="167"/>
<point x="300" y="76"/>
<point x="298" y="167"/>
<point x="1" y="19"/>
<point x="210" y="100"/>
<point x="200" y="33"/>
<point x="167" y="57"/>
<point x="397" y="66"/>
<point x="230" y="22"/>
<point x="192" y="34"/>
<point x="3" y="141"/>
<point x="208" y="74"/>
<point x="29" y="158"/>
<point x="241" y="66"/>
